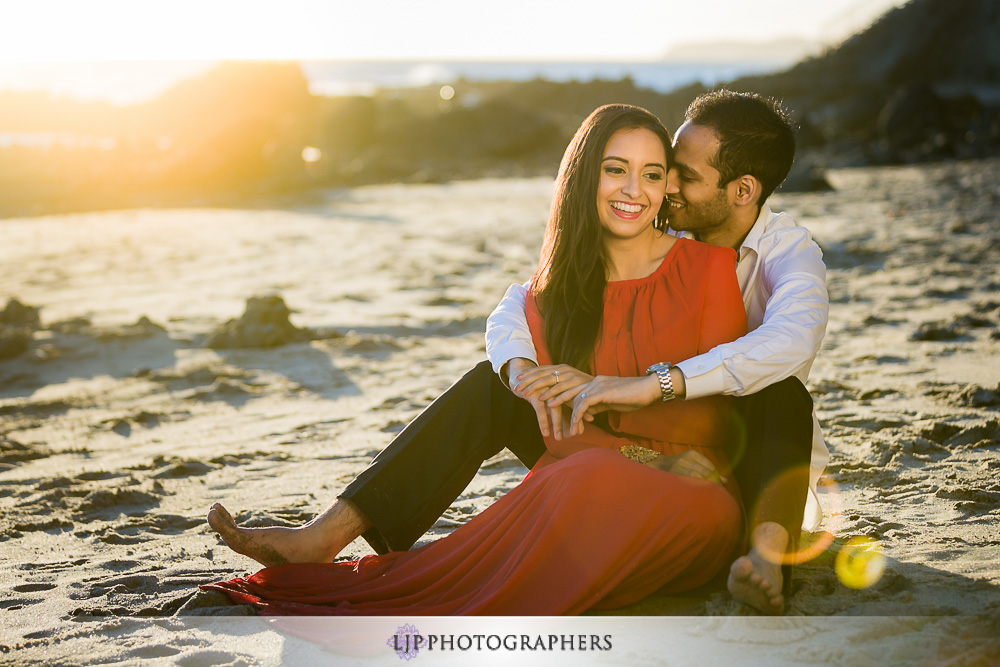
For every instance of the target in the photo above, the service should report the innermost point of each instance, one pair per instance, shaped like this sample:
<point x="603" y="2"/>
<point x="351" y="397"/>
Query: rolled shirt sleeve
<point x="507" y="333"/>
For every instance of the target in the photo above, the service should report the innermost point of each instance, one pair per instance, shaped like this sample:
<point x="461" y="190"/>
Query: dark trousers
<point x="430" y="462"/>
<point x="770" y="452"/>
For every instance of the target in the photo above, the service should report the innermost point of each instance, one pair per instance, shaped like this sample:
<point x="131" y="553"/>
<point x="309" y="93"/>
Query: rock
<point x="973" y="322"/>
<point x="937" y="331"/>
<point x="143" y="328"/>
<point x="73" y="325"/>
<point x="18" y="315"/>
<point x="805" y="176"/>
<point x="14" y="341"/>
<point x="264" y="323"/>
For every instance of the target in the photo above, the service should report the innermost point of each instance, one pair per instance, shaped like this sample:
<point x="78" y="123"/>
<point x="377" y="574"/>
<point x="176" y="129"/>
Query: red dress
<point x="591" y="530"/>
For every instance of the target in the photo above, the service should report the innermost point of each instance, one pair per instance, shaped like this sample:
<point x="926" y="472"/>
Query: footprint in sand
<point x="209" y="657"/>
<point x="56" y="566"/>
<point x="971" y="500"/>
<point x="13" y="453"/>
<point x="248" y="457"/>
<point x="153" y="652"/>
<point x="985" y="434"/>
<point x="34" y="588"/>
<point x="35" y="526"/>
<point x="21" y="602"/>
<point x="130" y="583"/>
<point x="395" y="426"/>
<point x="187" y="468"/>
<point x="868" y="423"/>
<point x="108" y="504"/>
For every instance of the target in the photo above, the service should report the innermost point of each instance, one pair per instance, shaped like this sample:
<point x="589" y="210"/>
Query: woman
<point x="588" y="528"/>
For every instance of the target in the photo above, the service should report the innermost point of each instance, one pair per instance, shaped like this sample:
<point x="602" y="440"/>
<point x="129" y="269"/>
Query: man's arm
<point x="790" y="334"/>
<point x="788" y="338"/>
<point x="507" y="333"/>
<point x="510" y="349"/>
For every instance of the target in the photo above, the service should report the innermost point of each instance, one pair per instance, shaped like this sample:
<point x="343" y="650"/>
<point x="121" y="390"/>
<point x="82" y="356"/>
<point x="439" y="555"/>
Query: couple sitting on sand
<point x="611" y="375"/>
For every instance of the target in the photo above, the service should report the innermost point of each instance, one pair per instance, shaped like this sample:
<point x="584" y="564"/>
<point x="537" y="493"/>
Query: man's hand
<point x="605" y="393"/>
<point x="688" y="464"/>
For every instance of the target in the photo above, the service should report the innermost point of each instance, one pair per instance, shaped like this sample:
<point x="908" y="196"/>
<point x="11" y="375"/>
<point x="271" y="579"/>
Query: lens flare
<point x="736" y="445"/>
<point x="311" y="154"/>
<point x="810" y="545"/>
<point x="860" y="563"/>
<point x="447" y="92"/>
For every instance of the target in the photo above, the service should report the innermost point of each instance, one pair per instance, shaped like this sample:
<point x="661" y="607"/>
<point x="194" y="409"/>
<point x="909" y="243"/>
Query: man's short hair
<point x="755" y="136"/>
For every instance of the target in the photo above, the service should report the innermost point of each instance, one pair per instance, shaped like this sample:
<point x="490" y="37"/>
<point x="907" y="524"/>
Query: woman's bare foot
<point x="755" y="579"/>
<point x="318" y="541"/>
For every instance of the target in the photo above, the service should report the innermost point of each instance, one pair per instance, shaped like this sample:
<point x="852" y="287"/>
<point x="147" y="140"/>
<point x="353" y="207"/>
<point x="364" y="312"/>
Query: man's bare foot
<point x="760" y="591"/>
<point x="318" y="541"/>
<point x="755" y="579"/>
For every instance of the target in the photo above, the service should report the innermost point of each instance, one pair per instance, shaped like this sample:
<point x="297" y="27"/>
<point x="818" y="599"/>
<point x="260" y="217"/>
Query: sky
<point x="114" y="30"/>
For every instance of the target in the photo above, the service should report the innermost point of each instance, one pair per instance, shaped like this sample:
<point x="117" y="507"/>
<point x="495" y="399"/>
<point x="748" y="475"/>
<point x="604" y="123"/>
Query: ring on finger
<point x="556" y="373"/>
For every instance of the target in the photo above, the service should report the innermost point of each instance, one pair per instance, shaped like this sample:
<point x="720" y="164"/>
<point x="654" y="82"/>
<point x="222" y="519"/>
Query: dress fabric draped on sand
<point x="588" y="528"/>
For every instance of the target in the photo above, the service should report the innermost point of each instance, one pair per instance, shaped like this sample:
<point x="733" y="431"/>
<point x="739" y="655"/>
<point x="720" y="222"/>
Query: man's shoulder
<point x="782" y="223"/>
<point x="786" y="248"/>
<point x="784" y="235"/>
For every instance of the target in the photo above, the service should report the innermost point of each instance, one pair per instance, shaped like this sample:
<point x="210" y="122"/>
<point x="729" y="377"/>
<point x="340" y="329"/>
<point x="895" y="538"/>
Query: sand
<point x="119" y="427"/>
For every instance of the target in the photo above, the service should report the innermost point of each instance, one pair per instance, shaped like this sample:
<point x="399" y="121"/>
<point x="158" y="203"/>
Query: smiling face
<point x="697" y="202"/>
<point x="632" y="183"/>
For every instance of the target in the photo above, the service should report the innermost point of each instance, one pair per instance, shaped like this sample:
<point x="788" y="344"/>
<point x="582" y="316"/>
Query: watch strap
<point x="662" y="371"/>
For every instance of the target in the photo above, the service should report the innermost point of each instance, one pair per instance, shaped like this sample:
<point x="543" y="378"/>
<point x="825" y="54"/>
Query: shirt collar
<point x="752" y="240"/>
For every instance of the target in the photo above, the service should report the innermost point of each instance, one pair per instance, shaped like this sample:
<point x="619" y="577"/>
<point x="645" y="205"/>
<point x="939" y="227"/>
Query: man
<point x="730" y="154"/>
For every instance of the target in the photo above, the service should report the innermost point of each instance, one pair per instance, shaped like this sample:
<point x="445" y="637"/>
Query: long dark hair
<point x="572" y="272"/>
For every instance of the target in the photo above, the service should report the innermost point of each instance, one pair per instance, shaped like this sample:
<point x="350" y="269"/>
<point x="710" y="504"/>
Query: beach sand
<point x="117" y="433"/>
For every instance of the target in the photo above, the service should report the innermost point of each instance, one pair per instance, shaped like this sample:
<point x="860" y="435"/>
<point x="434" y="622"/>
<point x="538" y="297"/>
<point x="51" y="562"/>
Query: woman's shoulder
<point x="705" y="254"/>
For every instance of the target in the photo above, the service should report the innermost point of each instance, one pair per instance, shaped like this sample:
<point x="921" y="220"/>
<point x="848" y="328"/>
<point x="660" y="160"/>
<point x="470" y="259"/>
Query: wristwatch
<point x="662" y="370"/>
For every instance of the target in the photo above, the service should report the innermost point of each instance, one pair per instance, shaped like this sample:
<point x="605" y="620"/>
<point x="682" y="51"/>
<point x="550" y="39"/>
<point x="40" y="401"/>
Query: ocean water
<point x="125" y="83"/>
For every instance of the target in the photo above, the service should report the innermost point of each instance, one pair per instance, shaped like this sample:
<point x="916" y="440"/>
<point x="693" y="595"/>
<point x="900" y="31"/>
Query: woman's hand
<point x="605" y="393"/>
<point x="688" y="464"/>
<point x="553" y="386"/>
<point x="548" y="382"/>
<point x="514" y="369"/>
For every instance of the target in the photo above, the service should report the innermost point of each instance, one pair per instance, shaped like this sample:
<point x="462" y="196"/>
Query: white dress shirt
<point x="782" y="277"/>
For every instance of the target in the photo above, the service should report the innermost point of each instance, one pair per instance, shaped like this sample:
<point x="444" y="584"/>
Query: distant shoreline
<point x="126" y="83"/>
